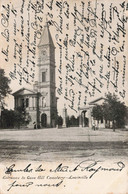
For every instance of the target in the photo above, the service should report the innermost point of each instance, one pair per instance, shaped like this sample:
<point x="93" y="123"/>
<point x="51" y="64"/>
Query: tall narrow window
<point x="52" y="97"/>
<point x="43" y="101"/>
<point x="27" y="102"/>
<point x="43" y="76"/>
<point x="52" y="76"/>
<point x="22" y="102"/>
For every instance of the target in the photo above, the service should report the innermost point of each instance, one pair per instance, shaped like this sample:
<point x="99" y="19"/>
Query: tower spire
<point x="46" y="38"/>
<point x="46" y="20"/>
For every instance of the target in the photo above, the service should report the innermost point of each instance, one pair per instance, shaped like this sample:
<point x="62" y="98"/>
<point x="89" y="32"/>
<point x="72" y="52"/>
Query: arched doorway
<point x="44" y="120"/>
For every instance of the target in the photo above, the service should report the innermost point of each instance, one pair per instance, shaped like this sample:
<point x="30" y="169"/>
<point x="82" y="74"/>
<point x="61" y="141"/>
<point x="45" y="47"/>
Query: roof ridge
<point x="23" y="89"/>
<point x="96" y="100"/>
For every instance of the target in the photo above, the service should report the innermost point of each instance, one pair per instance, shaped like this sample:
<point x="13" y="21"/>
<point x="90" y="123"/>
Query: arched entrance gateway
<point x="86" y="116"/>
<point x="44" y="120"/>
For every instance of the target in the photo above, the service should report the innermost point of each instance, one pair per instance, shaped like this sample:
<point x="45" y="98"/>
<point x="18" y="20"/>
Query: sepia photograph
<point x="64" y="97"/>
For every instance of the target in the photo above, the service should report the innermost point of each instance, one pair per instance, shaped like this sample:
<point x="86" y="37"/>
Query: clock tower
<point x="46" y="80"/>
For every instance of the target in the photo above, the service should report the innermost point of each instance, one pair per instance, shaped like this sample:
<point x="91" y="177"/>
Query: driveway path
<point x="68" y="144"/>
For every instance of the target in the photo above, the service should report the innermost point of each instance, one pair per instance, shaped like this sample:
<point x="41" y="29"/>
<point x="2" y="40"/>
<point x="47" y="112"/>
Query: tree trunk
<point x="113" y="125"/>
<point x="109" y="124"/>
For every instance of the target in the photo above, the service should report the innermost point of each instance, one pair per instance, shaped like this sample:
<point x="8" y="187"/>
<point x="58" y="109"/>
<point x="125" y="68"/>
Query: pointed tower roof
<point x="46" y="38"/>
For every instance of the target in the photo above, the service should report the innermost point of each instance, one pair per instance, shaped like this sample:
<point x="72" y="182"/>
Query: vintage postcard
<point x="63" y="96"/>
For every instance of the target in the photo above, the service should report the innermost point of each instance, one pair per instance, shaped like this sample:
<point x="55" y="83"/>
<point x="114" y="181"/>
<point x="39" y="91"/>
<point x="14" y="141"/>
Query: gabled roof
<point x="96" y="101"/>
<point x="46" y="38"/>
<point x="23" y="91"/>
